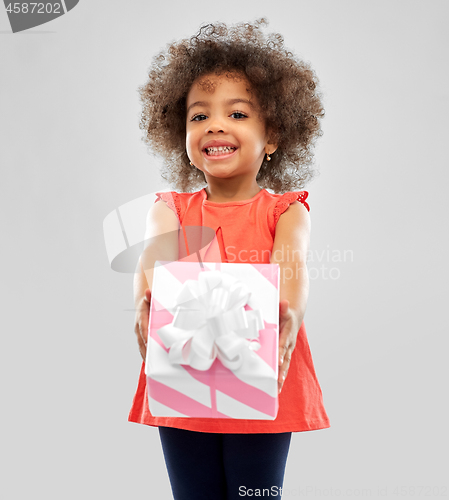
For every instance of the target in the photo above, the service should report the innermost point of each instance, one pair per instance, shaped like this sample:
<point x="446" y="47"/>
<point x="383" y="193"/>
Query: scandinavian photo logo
<point x="25" y="15"/>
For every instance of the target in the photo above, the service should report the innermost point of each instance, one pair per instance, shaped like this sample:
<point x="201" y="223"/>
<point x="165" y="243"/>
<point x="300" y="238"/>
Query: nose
<point x="215" y="126"/>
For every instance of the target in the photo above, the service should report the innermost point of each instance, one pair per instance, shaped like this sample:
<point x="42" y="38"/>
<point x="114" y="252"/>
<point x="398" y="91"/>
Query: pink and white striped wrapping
<point x="249" y="391"/>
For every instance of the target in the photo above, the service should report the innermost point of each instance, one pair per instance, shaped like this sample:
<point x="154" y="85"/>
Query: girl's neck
<point x="223" y="194"/>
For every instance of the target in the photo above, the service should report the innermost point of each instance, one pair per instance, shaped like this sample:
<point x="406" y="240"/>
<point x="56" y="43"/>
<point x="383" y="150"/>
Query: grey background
<point x="71" y="153"/>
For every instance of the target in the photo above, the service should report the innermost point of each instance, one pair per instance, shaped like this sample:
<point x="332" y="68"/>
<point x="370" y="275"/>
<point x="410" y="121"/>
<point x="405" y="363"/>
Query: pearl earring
<point x="268" y="157"/>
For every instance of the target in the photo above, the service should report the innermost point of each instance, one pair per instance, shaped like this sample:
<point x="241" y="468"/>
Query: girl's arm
<point x="161" y="243"/>
<point x="290" y="249"/>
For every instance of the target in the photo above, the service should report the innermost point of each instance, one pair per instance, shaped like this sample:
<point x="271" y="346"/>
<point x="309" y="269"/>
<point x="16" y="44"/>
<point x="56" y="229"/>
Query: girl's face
<point x="225" y="133"/>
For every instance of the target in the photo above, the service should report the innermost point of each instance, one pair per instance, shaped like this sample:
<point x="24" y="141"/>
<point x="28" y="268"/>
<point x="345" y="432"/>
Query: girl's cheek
<point x="191" y="141"/>
<point x="190" y="149"/>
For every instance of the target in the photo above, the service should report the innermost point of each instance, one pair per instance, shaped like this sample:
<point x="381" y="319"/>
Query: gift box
<point x="213" y="340"/>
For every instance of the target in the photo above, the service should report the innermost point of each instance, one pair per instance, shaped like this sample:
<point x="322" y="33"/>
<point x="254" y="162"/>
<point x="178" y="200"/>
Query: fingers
<point x="145" y="316"/>
<point x="141" y="324"/>
<point x="142" y="339"/>
<point x="283" y="370"/>
<point x="287" y="340"/>
<point x="284" y="320"/>
<point x="283" y="307"/>
<point x="283" y="349"/>
<point x="143" y="350"/>
<point x="285" y="357"/>
<point x="284" y="365"/>
<point x="138" y="330"/>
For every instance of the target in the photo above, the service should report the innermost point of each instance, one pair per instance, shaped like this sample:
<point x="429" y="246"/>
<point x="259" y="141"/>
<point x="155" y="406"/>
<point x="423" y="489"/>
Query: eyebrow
<point x="228" y="102"/>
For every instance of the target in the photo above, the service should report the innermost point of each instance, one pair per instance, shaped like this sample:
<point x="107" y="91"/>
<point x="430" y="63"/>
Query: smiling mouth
<point x="220" y="150"/>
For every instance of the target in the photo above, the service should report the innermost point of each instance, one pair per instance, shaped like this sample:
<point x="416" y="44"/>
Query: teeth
<point x="220" y="149"/>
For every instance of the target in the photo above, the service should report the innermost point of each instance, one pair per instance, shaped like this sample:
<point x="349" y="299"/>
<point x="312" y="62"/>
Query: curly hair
<point x="286" y="89"/>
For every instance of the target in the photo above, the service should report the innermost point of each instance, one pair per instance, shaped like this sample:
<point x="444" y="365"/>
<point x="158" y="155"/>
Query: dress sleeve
<point x="172" y="200"/>
<point x="286" y="200"/>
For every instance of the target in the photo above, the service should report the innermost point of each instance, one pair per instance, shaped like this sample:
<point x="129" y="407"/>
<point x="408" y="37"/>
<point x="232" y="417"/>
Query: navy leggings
<point x="209" y="466"/>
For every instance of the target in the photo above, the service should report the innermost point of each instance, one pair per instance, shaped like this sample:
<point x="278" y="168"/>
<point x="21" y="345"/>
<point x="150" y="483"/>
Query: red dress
<point x="245" y="233"/>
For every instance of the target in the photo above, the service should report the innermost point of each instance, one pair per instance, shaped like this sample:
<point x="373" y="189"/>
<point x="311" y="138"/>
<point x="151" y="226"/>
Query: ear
<point x="270" y="148"/>
<point x="271" y="145"/>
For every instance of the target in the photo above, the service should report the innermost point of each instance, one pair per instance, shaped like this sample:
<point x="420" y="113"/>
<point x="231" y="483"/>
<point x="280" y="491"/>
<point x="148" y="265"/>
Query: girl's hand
<point x="141" y="323"/>
<point x="288" y="331"/>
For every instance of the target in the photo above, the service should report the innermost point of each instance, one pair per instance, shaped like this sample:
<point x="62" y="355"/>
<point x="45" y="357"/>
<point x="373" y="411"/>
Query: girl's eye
<point x="198" y="118"/>
<point x="238" y="115"/>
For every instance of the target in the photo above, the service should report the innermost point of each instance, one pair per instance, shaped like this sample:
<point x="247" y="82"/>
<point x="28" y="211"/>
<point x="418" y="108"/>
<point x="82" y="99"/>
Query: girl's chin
<point x="217" y="172"/>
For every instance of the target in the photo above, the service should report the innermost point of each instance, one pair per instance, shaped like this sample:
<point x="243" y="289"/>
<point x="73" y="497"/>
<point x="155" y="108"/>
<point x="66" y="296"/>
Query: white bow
<point x="210" y="321"/>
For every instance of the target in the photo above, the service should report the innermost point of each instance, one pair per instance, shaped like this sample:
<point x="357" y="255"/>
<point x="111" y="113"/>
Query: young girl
<point x="234" y="113"/>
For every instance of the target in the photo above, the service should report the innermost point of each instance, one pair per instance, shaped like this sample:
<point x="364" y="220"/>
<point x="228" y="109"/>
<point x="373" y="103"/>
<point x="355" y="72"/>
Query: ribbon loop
<point x="210" y="322"/>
